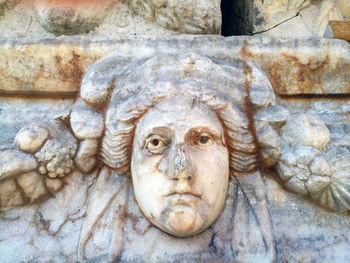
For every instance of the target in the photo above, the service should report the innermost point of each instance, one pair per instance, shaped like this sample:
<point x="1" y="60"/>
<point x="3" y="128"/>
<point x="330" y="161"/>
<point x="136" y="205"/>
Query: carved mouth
<point x="183" y="198"/>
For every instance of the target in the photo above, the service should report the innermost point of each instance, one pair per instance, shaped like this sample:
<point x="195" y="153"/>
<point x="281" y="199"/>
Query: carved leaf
<point x="32" y="185"/>
<point x="14" y="162"/>
<point x="9" y="194"/>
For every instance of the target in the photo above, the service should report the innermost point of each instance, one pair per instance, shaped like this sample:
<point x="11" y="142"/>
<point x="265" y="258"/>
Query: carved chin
<point x="182" y="221"/>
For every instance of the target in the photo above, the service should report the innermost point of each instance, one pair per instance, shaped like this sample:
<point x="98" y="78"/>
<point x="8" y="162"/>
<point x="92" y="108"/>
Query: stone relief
<point x="191" y="135"/>
<point x="51" y="18"/>
<point x="179" y="167"/>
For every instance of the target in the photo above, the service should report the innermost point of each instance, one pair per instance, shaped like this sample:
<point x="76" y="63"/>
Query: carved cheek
<point x="212" y="174"/>
<point x="143" y="165"/>
<point x="148" y="184"/>
<point x="163" y="164"/>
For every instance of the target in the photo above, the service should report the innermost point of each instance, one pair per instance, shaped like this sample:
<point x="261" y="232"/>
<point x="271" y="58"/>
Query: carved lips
<point x="188" y="198"/>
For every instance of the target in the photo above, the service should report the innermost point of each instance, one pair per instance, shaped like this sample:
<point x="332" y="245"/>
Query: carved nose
<point x="181" y="167"/>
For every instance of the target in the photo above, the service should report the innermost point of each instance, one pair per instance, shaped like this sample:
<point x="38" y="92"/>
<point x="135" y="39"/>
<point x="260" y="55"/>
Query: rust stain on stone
<point x="275" y="77"/>
<point x="72" y="71"/>
<point x="188" y="67"/>
<point x="245" y="52"/>
<point x="247" y="70"/>
<point x="290" y="74"/>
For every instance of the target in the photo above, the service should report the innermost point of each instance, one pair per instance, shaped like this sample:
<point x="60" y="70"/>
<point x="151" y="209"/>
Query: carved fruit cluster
<point x="55" y="160"/>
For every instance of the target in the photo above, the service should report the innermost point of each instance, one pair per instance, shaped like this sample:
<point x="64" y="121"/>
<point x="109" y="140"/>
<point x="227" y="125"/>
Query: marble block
<point x="175" y="149"/>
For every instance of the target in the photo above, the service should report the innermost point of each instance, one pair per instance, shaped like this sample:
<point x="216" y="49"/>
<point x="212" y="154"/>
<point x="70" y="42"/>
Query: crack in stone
<point x="280" y="23"/>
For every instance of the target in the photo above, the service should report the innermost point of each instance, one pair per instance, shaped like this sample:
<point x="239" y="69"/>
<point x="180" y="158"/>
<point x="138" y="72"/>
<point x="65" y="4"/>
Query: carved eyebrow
<point x="161" y="130"/>
<point x="165" y="132"/>
<point x="214" y="133"/>
<point x="209" y="130"/>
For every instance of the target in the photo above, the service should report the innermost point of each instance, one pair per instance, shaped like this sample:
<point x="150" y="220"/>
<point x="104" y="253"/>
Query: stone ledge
<point x="312" y="66"/>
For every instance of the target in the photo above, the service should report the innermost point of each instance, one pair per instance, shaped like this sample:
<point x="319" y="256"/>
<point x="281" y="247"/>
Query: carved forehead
<point x="180" y="114"/>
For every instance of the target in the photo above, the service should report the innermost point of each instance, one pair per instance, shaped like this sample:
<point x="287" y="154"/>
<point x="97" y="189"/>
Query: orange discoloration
<point x="72" y="71"/>
<point x="246" y="54"/>
<point x="305" y="77"/>
<point x="188" y="67"/>
<point x="275" y="77"/>
<point x="62" y="80"/>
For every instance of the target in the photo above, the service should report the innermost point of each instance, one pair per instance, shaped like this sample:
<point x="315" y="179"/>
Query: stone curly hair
<point x="124" y="92"/>
<point x="121" y="122"/>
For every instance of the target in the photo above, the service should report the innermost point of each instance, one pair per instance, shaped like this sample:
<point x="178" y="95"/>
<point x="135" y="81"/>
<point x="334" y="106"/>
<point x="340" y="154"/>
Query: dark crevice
<point x="239" y="17"/>
<point x="233" y="17"/>
<point x="226" y="8"/>
<point x="284" y="21"/>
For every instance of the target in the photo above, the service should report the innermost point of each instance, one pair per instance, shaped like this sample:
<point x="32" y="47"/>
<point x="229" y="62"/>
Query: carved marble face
<point x="180" y="166"/>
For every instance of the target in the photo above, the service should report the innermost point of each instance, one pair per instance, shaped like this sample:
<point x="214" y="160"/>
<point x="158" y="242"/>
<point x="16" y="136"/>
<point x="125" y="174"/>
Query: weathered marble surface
<point x="16" y="111"/>
<point x="344" y="8"/>
<point x="296" y="18"/>
<point x="49" y="232"/>
<point x="39" y="66"/>
<point x="47" y="18"/>
<point x="301" y="229"/>
<point x="71" y="17"/>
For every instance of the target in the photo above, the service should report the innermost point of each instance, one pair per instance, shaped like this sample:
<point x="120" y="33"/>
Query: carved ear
<point x="252" y="237"/>
<point x="102" y="232"/>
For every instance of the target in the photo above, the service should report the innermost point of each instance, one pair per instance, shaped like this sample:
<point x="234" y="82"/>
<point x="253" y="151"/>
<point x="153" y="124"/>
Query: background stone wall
<point x="44" y="18"/>
<point x="46" y="47"/>
<point x="296" y="18"/>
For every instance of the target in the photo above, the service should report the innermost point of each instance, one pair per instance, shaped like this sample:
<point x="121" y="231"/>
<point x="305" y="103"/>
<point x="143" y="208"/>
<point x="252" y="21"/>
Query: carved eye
<point x="203" y="140"/>
<point x="155" y="144"/>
